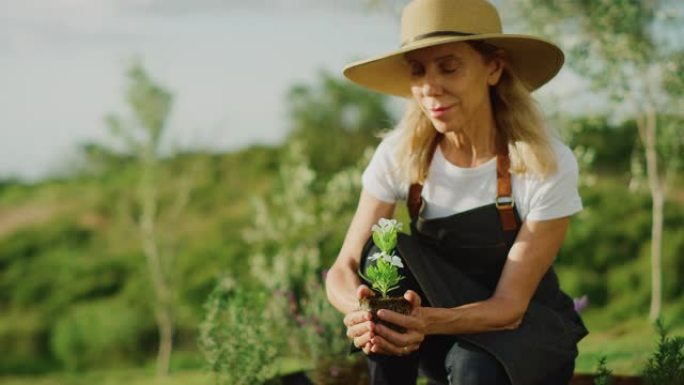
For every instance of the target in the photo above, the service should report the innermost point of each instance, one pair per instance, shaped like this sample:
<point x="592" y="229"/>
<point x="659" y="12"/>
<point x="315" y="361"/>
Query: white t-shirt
<point x="450" y="189"/>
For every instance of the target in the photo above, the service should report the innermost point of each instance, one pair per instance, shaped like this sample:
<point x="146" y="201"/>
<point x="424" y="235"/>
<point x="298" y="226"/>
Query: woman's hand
<point x="388" y="341"/>
<point x="360" y="328"/>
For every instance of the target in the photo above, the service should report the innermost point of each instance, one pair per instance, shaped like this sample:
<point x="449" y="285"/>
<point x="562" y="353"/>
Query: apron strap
<point x="504" y="194"/>
<point x="415" y="197"/>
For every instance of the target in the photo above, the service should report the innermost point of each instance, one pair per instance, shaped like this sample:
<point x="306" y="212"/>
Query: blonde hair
<point x="518" y="120"/>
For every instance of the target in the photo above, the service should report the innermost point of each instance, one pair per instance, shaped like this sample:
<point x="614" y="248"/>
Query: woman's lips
<point x="438" y="112"/>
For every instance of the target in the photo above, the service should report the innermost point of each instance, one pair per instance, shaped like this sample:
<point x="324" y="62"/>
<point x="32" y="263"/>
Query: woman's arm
<point x="529" y="259"/>
<point x="342" y="281"/>
<point x="343" y="286"/>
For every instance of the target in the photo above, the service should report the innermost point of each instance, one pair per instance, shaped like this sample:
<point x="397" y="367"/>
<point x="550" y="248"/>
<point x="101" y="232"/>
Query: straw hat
<point x="425" y="23"/>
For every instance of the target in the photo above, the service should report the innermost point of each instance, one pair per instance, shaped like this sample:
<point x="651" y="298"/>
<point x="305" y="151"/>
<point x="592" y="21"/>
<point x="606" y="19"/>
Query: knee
<point x="468" y="365"/>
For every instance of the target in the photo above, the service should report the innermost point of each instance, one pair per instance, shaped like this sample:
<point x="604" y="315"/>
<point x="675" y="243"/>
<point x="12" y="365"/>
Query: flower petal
<point x="396" y="261"/>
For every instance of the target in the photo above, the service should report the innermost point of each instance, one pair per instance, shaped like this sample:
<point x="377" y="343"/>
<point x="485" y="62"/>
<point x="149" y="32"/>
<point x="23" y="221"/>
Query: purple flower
<point x="334" y="371"/>
<point x="581" y="303"/>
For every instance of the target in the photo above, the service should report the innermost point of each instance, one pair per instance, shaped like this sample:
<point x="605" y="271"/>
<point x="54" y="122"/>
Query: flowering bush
<point x="236" y="336"/>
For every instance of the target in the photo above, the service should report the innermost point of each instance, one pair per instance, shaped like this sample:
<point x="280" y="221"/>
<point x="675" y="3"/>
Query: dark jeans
<point x="446" y="360"/>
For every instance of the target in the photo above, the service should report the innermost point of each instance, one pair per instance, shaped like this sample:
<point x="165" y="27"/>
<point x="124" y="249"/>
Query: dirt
<point x="588" y="379"/>
<point x="396" y="304"/>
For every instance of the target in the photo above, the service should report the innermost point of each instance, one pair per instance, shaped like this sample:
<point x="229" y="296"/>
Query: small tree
<point x="141" y="138"/>
<point x="629" y="51"/>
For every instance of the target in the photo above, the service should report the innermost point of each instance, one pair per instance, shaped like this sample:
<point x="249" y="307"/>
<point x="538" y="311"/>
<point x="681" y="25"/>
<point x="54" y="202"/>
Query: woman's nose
<point x="431" y="84"/>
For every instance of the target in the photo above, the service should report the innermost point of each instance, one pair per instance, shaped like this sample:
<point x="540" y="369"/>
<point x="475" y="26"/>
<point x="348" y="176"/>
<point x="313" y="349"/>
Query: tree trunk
<point x="647" y="128"/>
<point x="163" y="310"/>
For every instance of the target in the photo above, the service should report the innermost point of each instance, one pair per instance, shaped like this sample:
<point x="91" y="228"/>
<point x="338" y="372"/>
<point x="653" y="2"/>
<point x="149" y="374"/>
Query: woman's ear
<point x="496" y="66"/>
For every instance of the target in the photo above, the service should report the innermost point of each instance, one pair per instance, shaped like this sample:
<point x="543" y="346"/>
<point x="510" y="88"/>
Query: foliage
<point x="318" y="335"/>
<point x="294" y="234"/>
<point x="612" y="145"/>
<point x="237" y="338"/>
<point x="71" y="280"/>
<point x="97" y="334"/>
<point x="141" y="136"/>
<point x="602" y="255"/>
<point x="623" y="48"/>
<point x="384" y="274"/>
<point x="335" y="121"/>
<point x="81" y="251"/>
<point x="603" y="374"/>
<point x="666" y="365"/>
<point x="297" y="229"/>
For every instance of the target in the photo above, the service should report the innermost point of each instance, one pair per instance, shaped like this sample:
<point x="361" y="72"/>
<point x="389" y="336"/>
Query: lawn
<point x="627" y="346"/>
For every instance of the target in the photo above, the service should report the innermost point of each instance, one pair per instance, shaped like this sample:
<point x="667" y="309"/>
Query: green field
<point x="626" y="345"/>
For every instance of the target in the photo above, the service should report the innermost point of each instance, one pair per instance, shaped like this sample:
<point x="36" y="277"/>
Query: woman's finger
<point x="398" y="339"/>
<point x="414" y="299"/>
<point x="359" y="329"/>
<point x="368" y="348"/>
<point x="390" y="348"/>
<point x="356" y="317"/>
<point x="363" y="291"/>
<point x="362" y="340"/>
<point x="407" y="322"/>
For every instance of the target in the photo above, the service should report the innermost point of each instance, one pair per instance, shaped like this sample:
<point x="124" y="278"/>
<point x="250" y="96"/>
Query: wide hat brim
<point x="534" y="60"/>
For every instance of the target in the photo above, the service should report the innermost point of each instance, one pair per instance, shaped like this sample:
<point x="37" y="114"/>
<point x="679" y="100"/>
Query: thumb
<point x="413" y="298"/>
<point x="363" y="291"/>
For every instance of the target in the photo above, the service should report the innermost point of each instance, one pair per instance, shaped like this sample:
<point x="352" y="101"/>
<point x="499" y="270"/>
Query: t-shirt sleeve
<point x="558" y="195"/>
<point x="381" y="177"/>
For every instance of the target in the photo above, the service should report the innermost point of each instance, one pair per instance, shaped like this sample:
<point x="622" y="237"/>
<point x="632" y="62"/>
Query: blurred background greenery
<point x="140" y="261"/>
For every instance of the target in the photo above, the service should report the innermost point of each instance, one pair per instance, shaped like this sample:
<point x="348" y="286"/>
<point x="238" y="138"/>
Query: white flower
<point x="391" y="259"/>
<point x="396" y="261"/>
<point x="387" y="225"/>
<point x="378" y="256"/>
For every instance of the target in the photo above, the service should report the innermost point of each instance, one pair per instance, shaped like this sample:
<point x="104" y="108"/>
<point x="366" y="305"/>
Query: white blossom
<point x="391" y="259"/>
<point x="396" y="261"/>
<point x="379" y="255"/>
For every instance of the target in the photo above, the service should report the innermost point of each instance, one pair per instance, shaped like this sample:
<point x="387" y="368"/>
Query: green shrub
<point x="237" y="338"/>
<point x="603" y="374"/>
<point x="666" y="365"/>
<point x="101" y="333"/>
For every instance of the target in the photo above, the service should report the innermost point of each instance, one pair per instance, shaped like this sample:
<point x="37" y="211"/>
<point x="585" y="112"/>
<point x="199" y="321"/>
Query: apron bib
<point x="458" y="259"/>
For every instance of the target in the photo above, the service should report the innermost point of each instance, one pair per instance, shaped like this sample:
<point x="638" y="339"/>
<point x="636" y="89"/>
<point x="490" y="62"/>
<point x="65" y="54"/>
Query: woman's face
<point x="450" y="83"/>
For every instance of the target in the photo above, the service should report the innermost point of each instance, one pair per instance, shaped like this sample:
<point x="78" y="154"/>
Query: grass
<point x="627" y="346"/>
<point x="114" y="377"/>
<point x="139" y="376"/>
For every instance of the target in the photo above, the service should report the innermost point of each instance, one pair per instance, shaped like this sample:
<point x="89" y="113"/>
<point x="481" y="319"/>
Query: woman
<point x="490" y="194"/>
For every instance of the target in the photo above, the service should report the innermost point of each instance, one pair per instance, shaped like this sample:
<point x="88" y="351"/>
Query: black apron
<point x="458" y="259"/>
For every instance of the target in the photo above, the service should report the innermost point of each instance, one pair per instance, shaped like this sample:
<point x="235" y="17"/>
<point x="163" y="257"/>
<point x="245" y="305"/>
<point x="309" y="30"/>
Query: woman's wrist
<point x="439" y="320"/>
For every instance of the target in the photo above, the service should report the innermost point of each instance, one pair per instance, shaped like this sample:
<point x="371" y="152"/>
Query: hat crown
<point x="424" y="18"/>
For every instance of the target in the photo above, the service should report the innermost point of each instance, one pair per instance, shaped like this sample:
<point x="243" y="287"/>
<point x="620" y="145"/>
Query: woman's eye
<point x="448" y="67"/>
<point x="416" y="69"/>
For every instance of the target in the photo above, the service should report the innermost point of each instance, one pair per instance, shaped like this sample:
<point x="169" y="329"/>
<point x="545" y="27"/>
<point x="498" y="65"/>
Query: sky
<point x="228" y="64"/>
